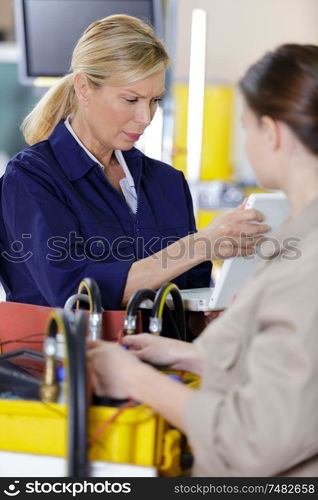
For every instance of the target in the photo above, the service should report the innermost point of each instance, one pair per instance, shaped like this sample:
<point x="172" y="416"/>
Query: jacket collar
<point x="75" y="162"/>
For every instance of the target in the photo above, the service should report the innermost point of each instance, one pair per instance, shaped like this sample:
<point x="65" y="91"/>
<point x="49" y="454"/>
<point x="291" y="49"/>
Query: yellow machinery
<point x="138" y="436"/>
<point x="119" y="432"/>
<point x="216" y="134"/>
<point x="217" y="137"/>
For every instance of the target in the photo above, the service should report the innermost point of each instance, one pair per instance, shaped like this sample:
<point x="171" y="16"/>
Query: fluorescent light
<point x="196" y="94"/>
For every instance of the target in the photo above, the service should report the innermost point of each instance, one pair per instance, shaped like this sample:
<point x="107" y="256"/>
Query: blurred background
<point x="211" y="43"/>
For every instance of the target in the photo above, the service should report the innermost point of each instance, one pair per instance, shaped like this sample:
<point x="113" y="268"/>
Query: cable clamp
<point x="155" y="325"/>
<point x="130" y="322"/>
<point x="50" y="346"/>
<point x="95" y="325"/>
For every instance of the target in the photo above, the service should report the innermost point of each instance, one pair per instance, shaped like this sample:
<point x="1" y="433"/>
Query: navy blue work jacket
<point x="63" y="221"/>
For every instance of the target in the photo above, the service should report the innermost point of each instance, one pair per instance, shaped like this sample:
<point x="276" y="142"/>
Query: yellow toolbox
<point x="138" y="435"/>
<point x="119" y="432"/>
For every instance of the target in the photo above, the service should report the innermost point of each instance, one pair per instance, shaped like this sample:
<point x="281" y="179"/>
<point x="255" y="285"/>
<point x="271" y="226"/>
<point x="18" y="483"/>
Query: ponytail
<point x="58" y="102"/>
<point x="115" y="50"/>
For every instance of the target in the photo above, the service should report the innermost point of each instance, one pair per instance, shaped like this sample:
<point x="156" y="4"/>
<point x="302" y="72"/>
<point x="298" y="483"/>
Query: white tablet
<point x="237" y="271"/>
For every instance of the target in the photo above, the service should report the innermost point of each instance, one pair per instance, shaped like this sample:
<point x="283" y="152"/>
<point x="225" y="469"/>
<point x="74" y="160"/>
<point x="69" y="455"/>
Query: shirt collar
<point x="67" y="124"/>
<point x="75" y="161"/>
<point x="117" y="152"/>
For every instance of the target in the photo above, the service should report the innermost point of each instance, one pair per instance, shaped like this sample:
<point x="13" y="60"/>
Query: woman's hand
<point x="119" y="375"/>
<point x="164" y="352"/>
<point x="234" y="234"/>
<point x="112" y="368"/>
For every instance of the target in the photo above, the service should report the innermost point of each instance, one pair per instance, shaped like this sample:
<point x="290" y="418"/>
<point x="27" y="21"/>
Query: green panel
<point x="16" y="101"/>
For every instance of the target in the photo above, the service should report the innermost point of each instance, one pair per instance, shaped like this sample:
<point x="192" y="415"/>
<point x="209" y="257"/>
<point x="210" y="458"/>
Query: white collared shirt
<point x="127" y="183"/>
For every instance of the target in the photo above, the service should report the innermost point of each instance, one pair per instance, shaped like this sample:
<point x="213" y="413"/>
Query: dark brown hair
<point x="284" y="85"/>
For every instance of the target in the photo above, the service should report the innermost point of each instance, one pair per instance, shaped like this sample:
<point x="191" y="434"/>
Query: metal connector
<point x="49" y="389"/>
<point x="155" y="325"/>
<point x="130" y="324"/>
<point x="95" y="326"/>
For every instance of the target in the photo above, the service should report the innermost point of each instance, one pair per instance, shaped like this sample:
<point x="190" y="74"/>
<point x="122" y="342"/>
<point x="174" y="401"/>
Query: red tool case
<point x="24" y="325"/>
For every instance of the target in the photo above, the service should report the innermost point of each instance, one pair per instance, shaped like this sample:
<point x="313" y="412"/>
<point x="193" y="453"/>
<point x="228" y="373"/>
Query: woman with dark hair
<point x="255" y="413"/>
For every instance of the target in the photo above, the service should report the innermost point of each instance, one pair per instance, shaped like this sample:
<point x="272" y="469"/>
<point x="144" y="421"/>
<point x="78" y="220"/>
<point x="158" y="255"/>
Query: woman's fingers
<point x="242" y="230"/>
<point x="243" y="204"/>
<point x="236" y="246"/>
<point x="249" y="214"/>
<point x="253" y="229"/>
<point x="138" y="341"/>
<point x="235" y="233"/>
<point x="237" y="223"/>
<point x="153" y="349"/>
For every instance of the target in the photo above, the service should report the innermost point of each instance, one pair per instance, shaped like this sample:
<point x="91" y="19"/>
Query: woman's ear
<point x="81" y="88"/>
<point x="271" y="131"/>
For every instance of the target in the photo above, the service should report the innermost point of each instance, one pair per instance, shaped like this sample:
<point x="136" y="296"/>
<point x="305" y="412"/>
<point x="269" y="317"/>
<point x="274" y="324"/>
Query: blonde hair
<point x="115" y="50"/>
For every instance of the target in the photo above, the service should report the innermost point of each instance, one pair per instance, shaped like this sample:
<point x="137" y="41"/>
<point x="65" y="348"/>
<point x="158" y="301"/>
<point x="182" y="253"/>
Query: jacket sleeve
<point x="200" y="275"/>
<point x="44" y="235"/>
<point x="265" y="423"/>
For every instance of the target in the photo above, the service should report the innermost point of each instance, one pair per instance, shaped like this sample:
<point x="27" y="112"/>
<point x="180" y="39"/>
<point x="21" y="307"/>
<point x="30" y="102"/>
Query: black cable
<point x="79" y="298"/>
<point x="79" y="332"/>
<point x="130" y="322"/>
<point x="134" y="302"/>
<point x="72" y="405"/>
<point x="169" y="318"/>
<point x="59" y="322"/>
<point x="90" y="287"/>
<point x="22" y="339"/>
<point x="159" y="305"/>
<point x="137" y="298"/>
<point x="179" y="312"/>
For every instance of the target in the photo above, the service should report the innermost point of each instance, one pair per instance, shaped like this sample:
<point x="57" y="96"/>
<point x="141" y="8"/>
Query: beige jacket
<point x="256" y="412"/>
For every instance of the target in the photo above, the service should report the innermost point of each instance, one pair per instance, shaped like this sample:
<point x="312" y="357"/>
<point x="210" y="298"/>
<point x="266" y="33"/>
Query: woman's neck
<point x="103" y="154"/>
<point x="301" y="184"/>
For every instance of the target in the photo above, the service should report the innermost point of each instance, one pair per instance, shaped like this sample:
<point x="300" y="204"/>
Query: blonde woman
<point x="81" y="201"/>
